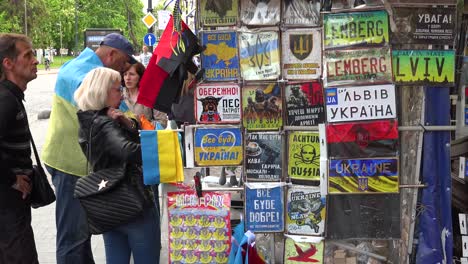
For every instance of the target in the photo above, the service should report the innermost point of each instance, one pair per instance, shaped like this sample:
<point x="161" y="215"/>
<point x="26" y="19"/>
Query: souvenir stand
<point x="315" y="110"/>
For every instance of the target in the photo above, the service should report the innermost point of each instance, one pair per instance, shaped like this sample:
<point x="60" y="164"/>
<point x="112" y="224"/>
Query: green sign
<point x="358" y="28"/>
<point x="424" y="67"/>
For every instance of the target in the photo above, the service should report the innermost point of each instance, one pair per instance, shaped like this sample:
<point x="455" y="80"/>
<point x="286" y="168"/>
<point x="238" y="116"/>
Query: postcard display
<point x="276" y="64"/>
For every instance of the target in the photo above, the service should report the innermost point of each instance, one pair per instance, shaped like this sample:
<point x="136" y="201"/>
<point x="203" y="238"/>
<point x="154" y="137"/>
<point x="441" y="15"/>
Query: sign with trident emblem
<point x="302" y="54"/>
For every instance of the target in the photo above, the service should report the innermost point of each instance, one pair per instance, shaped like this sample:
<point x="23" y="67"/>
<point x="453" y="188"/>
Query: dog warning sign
<point x="218" y="103"/>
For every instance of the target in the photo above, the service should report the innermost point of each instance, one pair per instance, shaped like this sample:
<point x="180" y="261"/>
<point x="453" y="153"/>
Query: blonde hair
<point x="92" y="93"/>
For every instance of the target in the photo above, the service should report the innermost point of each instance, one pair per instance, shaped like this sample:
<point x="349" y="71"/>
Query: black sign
<point x="424" y="25"/>
<point x="304" y="104"/>
<point x="263" y="156"/>
<point x="94" y="36"/>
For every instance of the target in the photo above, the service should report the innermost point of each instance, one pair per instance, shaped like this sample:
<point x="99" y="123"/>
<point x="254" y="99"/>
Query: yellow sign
<point x="149" y="20"/>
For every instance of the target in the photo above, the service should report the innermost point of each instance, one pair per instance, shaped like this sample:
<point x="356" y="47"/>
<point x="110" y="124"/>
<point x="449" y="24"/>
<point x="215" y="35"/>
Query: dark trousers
<point x="16" y="235"/>
<point x="73" y="238"/>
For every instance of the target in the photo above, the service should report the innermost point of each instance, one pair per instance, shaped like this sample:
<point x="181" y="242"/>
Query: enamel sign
<point x="220" y="59"/>
<point x="360" y="103"/>
<point x="218" y="103"/>
<point x="262" y="106"/>
<point x="424" y="25"/>
<point x="304" y="104"/>
<point x="304" y="156"/>
<point x="363" y="176"/>
<point x="218" y="146"/>
<point x="305" y="210"/>
<point x="263" y="153"/>
<point x="301" y="12"/>
<point x="358" y="66"/>
<point x="259" y="55"/>
<point x="215" y="13"/>
<point x="356" y="28"/>
<point x="259" y="12"/>
<point x="265" y="212"/>
<point x="302" y="54"/>
<point x="424" y="67"/>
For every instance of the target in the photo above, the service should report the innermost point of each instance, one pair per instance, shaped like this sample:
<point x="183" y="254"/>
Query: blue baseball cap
<point x="119" y="42"/>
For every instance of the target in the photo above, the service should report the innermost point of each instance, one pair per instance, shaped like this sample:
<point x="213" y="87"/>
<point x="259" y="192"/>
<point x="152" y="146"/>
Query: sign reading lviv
<point x="217" y="13"/>
<point x="357" y="28"/>
<point x="358" y="66"/>
<point x="218" y="103"/>
<point x="424" y="25"/>
<point x="302" y="54"/>
<point x="360" y="103"/>
<point x="220" y="59"/>
<point x="218" y="146"/>
<point x="424" y="67"/>
<point x="259" y="55"/>
<point x="363" y="176"/>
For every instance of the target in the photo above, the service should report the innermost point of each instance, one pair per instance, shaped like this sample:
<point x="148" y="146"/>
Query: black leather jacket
<point x="112" y="145"/>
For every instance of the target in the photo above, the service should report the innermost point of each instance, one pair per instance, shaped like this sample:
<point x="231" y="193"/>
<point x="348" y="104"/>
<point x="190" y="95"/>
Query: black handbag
<point x="111" y="196"/>
<point x="41" y="192"/>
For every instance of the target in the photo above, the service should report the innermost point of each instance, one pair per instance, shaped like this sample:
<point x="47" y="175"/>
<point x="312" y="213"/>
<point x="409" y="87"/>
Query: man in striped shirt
<point x="18" y="66"/>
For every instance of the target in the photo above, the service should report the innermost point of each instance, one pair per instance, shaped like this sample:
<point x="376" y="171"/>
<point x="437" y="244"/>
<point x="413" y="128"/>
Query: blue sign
<point x="218" y="146"/>
<point x="332" y="96"/>
<point x="265" y="212"/>
<point x="220" y="58"/>
<point x="150" y="39"/>
<point x="466" y="116"/>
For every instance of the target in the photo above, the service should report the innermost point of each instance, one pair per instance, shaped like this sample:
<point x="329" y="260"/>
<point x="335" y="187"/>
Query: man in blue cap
<point x="62" y="154"/>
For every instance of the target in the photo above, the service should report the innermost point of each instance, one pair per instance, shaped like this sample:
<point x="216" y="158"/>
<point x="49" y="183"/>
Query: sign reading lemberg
<point x="360" y="103"/>
<point x="424" y="67"/>
<point x="215" y="13"/>
<point x="357" y="28"/>
<point x="358" y="66"/>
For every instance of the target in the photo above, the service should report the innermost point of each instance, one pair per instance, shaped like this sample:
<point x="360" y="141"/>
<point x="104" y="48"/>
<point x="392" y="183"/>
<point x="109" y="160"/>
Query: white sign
<point x="360" y="103"/>
<point x="218" y="103"/>
<point x="163" y="19"/>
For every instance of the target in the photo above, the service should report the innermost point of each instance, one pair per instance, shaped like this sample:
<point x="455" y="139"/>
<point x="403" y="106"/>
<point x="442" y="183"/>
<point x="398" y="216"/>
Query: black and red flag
<point x="363" y="139"/>
<point x="162" y="82"/>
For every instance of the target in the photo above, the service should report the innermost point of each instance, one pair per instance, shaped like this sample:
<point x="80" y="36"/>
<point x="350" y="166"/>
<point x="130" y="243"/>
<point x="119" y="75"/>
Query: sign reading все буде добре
<point x="357" y="28"/>
<point x="360" y="103"/>
<point x="424" y="67"/>
<point x="358" y="66"/>
<point x="218" y="146"/>
<point x="424" y="25"/>
<point x="265" y="212"/>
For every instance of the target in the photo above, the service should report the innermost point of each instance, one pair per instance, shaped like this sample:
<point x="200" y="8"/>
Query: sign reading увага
<point x="218" y="146"/>
<point x="265" y="212"/>
<point x="356" y="28"/>
<point x="424" y="67"/>
<point x="360" y="103"/>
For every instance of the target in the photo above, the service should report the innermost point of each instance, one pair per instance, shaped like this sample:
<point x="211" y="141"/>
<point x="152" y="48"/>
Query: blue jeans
<point x="142" y="237"/>
<point x="73" y="238"/>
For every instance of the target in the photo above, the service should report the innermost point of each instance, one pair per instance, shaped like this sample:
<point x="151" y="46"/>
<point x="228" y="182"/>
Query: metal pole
<point x="25" y="18"/>
<point x="76" y="27"/>
<point x="150" y="30"/>
<point x="61" y="58"/>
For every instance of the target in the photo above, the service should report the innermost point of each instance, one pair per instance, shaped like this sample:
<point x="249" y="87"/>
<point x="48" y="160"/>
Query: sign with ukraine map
<point x="220" y="59"/>
<point x="199" y="227"/>
<point x="259" y="55"/>
<point x="218" y="146"/>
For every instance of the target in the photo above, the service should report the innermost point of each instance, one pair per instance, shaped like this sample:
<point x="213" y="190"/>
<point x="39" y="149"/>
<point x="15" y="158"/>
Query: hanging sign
<point x="217" y="13"/>
<point x="424" y="25"/>
<point x="263" y="153"/>
<point x="259" y="55"/>
<point x="304" y="156"/>
<point x="218" y="146"/>
<point x="305" y="211"/>
<point x="424" y="67"/>
<point x="356" y="28"/>
<point x="301" y="13"/>
<point x="199" y="228"/>
<point x="362" y="139"/>
<point x="262" y="106"/>
<point x="218" y="103"/>
<point x="358" y="66"/>
<point x="220" y="59"/>
<point x="299" y="250"/>
<point x="260" y="12"/>
<point x="304" y="104"/>
<point x="265" y="210"/>
<point x="363" y="176"/>
<point x="302" y="54"/>
<point x="363" y="216"/>
<point x="360" y="103"/>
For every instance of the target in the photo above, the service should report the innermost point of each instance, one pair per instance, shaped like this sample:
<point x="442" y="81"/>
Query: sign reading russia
<point x="424" y="67"/>
<point x="358" y="66"/>
<point x="218" y="146"/>
<point x="360" y="103"/>
<point x="218" y="103"/>
<point x="356" y="28"/>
